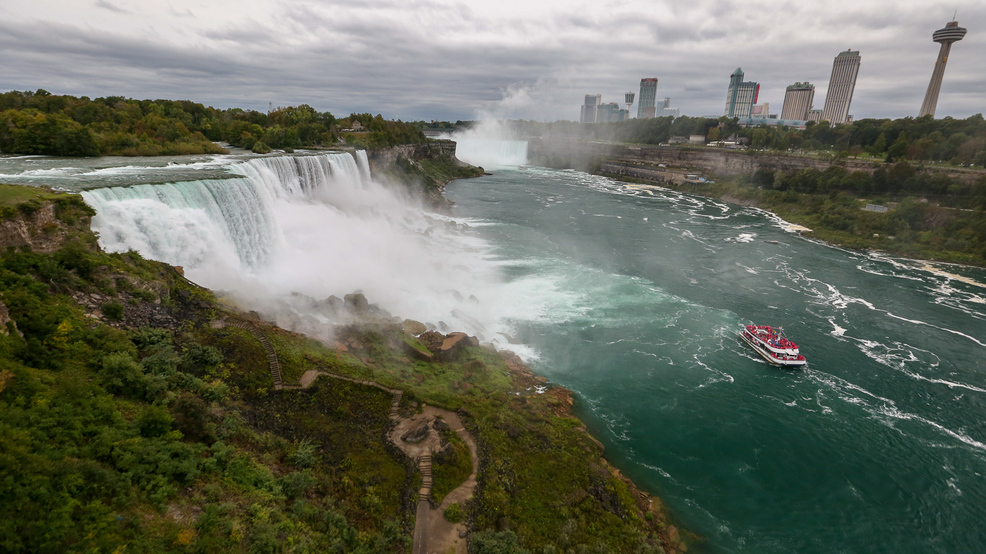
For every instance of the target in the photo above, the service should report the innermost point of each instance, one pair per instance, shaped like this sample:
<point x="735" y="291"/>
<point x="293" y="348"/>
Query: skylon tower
<point x="950" y="33"/>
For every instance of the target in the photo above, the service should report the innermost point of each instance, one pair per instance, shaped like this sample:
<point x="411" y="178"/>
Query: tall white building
<point x="591" y="108"/>
<point x="798" y="99"/>
<point x="741" y="96"/>
<point x="841" y="85"/>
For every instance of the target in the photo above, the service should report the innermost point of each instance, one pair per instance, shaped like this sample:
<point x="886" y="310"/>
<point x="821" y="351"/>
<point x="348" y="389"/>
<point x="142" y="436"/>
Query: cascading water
<point x="491" y="153"/>
<point x="317" y="225"/>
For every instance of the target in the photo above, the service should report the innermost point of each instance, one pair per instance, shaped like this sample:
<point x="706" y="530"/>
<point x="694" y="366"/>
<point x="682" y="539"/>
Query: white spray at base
<point x="293" y="230"/>
<point x="490" y="146"/>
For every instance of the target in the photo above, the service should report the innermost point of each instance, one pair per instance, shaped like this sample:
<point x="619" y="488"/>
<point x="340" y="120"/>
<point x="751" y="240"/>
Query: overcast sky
<point x="449" y="59"/>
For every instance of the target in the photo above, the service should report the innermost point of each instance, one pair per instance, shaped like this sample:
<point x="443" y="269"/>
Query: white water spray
<point x="490" y="146"/>
<point x="318" y="226"/>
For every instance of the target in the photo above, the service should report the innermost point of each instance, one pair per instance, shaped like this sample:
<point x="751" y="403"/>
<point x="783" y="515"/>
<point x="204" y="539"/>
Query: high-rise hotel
<point x="841" y="85"/>
<point x="647" y="108"/>
<point x="798" y="100"/>
<point x="741" y="96"/>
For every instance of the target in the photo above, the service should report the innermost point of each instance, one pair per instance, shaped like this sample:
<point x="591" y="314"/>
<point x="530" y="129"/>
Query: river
<point x="876" y="446"/>
<point x="633" y="298"/>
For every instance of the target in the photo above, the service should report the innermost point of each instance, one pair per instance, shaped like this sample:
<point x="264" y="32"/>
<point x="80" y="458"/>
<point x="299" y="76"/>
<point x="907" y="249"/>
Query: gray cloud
<point x="432" y="60"/>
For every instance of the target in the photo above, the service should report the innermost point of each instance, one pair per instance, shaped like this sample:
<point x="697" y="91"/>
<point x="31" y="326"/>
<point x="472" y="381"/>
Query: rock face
<point x="41" y="230"/>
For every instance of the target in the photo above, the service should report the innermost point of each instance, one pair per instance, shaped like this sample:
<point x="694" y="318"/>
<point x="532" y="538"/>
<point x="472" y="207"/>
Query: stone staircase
<point x="424" y="465"/>
<point x="275" y="366"/>
<point x="396" y="404"/>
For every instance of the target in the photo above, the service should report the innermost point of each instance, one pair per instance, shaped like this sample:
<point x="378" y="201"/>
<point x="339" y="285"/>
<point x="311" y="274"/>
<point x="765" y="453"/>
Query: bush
<point x="453" y="513"/>
<point x="113" y="310"/>
<point x="260" y="148"/>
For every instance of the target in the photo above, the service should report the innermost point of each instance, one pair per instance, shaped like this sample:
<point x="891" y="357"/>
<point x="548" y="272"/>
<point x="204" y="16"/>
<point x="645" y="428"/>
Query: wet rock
<point x="454" y="344"/>
<point x="418" y="354"/>
<point x="357" y="303"/>
<point x="412" y="327"/>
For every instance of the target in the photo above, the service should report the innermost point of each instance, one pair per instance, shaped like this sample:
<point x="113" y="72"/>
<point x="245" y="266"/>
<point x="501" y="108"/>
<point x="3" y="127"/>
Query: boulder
<point x="454" y="344"/>
<point x="357" y="303"/>
<point x="412" y="327"/>
<point x="417" y="433"/>
<point x="440" y="425"/>
<point x="418" y="354"/>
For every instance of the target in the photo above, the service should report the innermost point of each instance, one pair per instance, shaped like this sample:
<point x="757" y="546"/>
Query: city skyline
<point x="449" y="59"/>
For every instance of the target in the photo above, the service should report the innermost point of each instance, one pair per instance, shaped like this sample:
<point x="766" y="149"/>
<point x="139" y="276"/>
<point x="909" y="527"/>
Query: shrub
<point x="453" y="513"/>
<point x="113" y="310"/>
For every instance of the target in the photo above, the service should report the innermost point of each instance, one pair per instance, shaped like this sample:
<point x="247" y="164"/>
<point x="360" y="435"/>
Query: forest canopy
<point x="42" y="123"/>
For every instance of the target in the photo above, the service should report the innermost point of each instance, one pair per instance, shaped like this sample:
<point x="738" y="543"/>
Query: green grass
<point x="15" y="194"/>
<point x="448" y="475"/>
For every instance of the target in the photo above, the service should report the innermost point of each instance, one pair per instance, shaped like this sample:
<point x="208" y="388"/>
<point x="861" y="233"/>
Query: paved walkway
<point x="432" y="532"/>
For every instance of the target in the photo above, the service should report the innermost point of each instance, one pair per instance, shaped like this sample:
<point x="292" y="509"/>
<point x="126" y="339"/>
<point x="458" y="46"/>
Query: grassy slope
<point x="174" y="439"/>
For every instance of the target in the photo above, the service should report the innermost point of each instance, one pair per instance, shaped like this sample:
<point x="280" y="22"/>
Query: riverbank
<point x="907" y="226"/>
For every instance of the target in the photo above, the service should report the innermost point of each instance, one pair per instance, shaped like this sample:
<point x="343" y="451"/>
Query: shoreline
<point x="792" y="220"/>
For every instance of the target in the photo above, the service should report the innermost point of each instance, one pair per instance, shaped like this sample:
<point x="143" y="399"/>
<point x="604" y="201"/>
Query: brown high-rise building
<point x="841" y="86"/>
<point x="798" y="100"/>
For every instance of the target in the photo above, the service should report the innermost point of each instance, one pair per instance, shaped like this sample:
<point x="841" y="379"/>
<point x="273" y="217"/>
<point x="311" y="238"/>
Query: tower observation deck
<point x="950" y="33"/>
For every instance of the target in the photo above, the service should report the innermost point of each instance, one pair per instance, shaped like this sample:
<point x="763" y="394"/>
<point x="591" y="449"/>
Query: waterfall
<point x="318" y="225"/>
<point x="491" y="153"/>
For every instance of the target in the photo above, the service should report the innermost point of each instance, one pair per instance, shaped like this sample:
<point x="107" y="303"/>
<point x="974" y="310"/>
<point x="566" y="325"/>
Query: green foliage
<point x="453" y="513"/>
<point x="113" y="310"/>
<point x="490" y="542"/>
<point x="451" y="466"/>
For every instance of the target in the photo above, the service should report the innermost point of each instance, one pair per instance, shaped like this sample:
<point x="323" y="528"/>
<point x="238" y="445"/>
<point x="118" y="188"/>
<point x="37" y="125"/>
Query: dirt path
<point x="433" y="534"/>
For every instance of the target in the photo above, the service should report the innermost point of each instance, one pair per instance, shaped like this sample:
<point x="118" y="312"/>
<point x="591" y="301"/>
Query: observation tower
<point x="628" y="98"/>
<point x="948" y="34"/>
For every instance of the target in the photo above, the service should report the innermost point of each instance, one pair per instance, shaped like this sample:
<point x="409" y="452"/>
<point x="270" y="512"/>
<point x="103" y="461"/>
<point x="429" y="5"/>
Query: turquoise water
<point x="877" y="446"/>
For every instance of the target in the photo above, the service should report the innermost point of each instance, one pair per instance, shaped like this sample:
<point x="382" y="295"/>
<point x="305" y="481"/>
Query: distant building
<point x="664" y="109"/>
<point x="798" y="99"/>
<point x="609" y="113"/>
<point x="741" y="96"/>
<point x="841" y="86"/>
<point x="815" y="115"/>
<point x="762" y="111"/>
<point x="946" y="36"/>
<point x="590" y="107"/>
<point x="647" y="108"/>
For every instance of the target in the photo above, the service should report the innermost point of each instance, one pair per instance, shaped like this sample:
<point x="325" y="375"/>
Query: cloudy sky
<point x="453" y="59"/>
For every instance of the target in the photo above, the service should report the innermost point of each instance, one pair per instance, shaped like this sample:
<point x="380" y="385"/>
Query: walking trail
<point x="433" y="534"/>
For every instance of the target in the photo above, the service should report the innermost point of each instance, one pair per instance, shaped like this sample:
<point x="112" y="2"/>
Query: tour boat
<point x="773" y="345"/>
